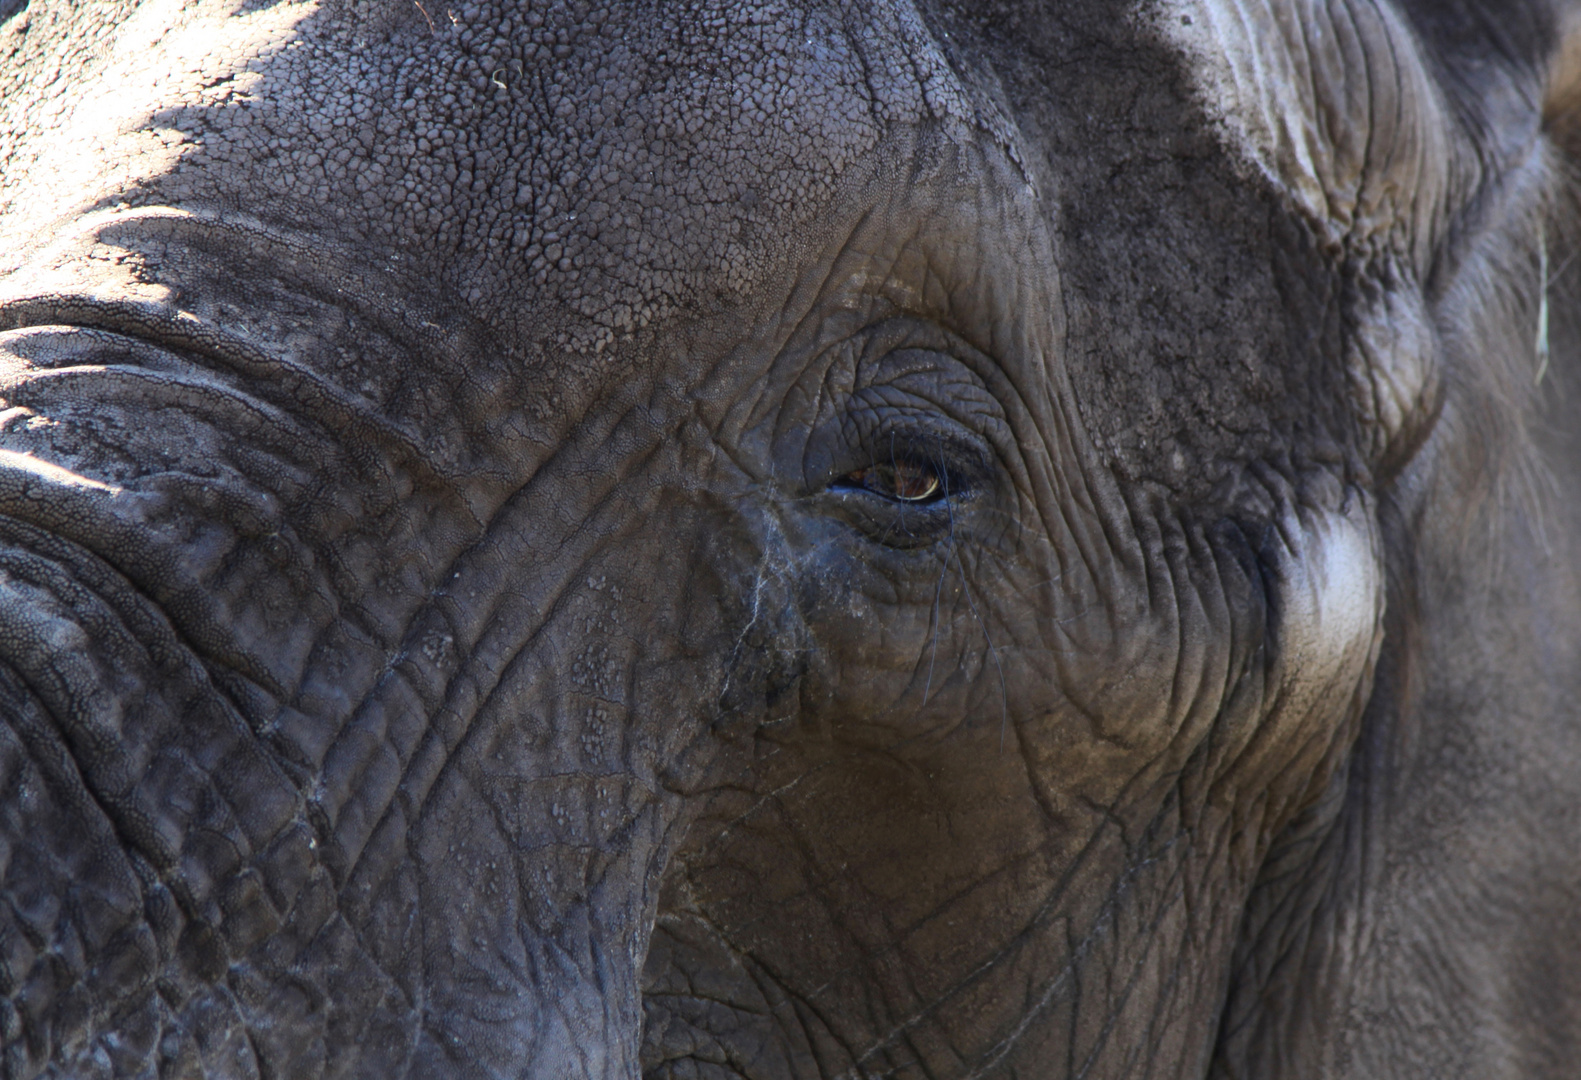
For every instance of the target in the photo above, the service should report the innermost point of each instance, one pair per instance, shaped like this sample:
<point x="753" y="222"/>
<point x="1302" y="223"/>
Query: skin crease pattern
<point x="577" y="540"/>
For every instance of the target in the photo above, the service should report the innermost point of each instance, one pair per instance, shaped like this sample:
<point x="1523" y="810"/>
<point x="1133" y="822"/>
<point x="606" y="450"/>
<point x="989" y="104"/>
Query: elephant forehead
<point x="597" y="168"/>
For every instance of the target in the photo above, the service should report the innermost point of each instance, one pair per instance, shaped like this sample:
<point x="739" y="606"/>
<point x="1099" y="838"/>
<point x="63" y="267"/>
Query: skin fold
<point x="733" y="542"/>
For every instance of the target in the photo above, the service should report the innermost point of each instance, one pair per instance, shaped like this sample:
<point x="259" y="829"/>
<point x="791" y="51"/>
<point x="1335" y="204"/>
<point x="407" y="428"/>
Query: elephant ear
<point x="1332" y="107"/>
<point x="1561" y="120"/>
<point x="1562" y="96"/>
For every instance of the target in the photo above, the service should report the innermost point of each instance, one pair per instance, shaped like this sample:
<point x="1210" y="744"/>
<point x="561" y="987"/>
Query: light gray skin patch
<point x="1333" y="609"/>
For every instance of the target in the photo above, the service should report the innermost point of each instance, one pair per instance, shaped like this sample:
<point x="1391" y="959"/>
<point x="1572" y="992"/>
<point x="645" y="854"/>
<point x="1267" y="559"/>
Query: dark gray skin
<point x="765" y="543"/>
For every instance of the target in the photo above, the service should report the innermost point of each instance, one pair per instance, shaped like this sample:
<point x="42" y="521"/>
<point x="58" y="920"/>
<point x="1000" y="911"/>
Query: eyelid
<point x="959" y="458"/>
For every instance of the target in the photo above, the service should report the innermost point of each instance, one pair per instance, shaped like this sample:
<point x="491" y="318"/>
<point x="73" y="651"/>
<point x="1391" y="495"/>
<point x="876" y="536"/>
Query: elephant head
<point x="568" y="541"/>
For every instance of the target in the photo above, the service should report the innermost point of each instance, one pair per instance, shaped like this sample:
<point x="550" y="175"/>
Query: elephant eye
<point x="903" y="481"/>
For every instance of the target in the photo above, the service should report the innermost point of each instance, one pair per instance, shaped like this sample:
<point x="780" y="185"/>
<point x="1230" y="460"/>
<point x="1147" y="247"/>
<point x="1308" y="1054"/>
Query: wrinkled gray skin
<point x="458" y="617"/>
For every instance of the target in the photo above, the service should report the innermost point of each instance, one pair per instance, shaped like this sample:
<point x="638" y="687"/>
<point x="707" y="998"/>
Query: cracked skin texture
<point x="440" y="635"/>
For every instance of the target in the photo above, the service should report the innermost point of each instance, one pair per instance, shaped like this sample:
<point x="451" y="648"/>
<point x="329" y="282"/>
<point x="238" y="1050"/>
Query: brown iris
<point x="903" y="481"/>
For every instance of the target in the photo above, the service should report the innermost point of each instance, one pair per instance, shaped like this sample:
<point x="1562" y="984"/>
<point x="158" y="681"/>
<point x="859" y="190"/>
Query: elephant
<point x="585" y="540"/>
